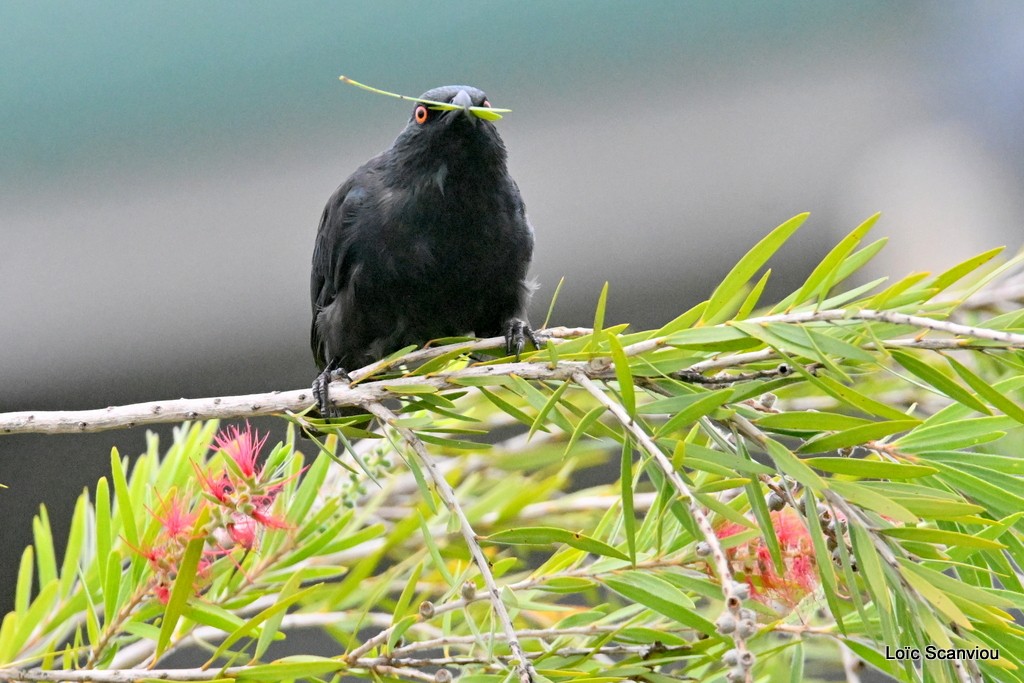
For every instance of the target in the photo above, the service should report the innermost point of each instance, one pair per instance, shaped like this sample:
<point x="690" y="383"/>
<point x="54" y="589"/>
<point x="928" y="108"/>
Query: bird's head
<point x="453" y="135"/>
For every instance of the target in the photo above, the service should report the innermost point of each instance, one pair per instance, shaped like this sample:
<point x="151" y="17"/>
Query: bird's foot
<point x="516" y="334"/>
<point x="320" y="389"/>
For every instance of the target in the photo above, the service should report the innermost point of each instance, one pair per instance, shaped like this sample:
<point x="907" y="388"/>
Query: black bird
<point x="428" y="239"/>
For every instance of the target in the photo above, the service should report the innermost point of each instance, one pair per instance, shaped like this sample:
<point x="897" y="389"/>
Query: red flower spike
<point x="177" y="522"/>
<point x="243" y="446"/>
<point x="754" y="561"/>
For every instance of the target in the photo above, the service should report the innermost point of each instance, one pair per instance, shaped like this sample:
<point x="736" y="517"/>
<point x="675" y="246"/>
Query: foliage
<point x="834" y="478"/>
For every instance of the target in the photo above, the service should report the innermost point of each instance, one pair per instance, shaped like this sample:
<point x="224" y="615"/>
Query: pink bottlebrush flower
<point x="176" y="521"/>
<point x="754" y="562"/>
<point x="219" y="487"/>
<point x="243" y="446"/>
<point x="242" y="531"/>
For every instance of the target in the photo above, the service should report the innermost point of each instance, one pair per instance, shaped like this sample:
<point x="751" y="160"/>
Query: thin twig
<point x="665" y="464"/>
<point x="447" y="494"/>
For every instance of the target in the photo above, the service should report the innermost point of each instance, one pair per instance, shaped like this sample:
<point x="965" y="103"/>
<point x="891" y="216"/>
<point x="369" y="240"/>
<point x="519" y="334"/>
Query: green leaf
<point x="857" y="436"/>
<point x="104" y="536"/>
<point x="748" y="266"/>
<point x="271" y="627"/>
<point x="45" y="558"/>
<point x="811" y="421"/>
<point x="873" y="469"/>
<point x="582" y="426"/>
<point x="23" y="592"/>
<point x="243" y="631"/>
<point x="183" y="587"/>
<point x="657" y="594"/>
<point x="955" y="435"/>
<point x="623" y="374"/>
<point x="985" y="390"/>
<point x="752" y="298"/>
<point x="872" y="500"/>
<point x="125" y="505"/>
<point x="938" y="380"/>
<point x="854" y="398"/>
<point x="788" y="463"/>
<point x="215" y="616"/>
<point x="76" y="541"/>
<point x="821" y="279"/>
<point x="602" y="303"/>
<point x="542" y="535"/>
<point x="960" y="270"/>
<point x="405" y="599"/>
<point x="552" y="401"/>
<point x="626" y="484"/>
<point x="290" y="668"/>
<point x="953" y="539"/>
<point x="554" y="298"/>
<point x="705" y="403"/>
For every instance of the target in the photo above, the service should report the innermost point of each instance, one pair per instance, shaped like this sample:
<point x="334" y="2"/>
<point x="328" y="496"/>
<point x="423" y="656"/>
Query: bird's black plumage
<point x="428" y="239"/>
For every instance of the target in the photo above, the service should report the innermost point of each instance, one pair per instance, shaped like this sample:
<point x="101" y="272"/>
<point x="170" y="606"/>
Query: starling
<point x="428" y="239"/>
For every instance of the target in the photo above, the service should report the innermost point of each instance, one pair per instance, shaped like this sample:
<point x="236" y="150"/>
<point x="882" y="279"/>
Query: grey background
<point x="163" y="167"/>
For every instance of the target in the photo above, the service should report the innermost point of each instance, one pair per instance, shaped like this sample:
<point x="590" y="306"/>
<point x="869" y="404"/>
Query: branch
<point x="447" y="494"/>
<point x="540" y="368"/>
<point x="665" y="465"/>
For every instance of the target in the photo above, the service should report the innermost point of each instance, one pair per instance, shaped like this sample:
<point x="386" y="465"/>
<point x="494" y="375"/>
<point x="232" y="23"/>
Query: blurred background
<point x="163" y="167"/>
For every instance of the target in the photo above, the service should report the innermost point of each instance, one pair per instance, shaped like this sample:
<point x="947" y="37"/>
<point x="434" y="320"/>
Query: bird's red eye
<point x="487" y="103"/>
<point x="420" y="114"/>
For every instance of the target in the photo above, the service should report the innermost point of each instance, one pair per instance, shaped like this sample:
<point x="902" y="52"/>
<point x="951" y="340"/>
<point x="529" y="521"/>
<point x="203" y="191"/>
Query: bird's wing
<point x="331" y="265"/>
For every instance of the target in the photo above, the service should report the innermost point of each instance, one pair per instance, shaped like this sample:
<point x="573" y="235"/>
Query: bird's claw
<point x="516" y="334"/>
<point x="321" y="393"/>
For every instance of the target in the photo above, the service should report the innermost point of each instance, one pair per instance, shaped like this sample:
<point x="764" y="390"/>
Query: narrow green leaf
<point x="76" y="541"/>
<point x="749" y="265"/>
<point x="291" y="668"/>
<point x="753" y="296"/>
<point x="857" y="435"/>
<point x="602" y="303"/>
<point x="985" y="390"/>
<point x="623" y="374"/>
<point x="215" y="616"/>
<point x="104" y="537"/>
<point x="252" y="623"/>
<point x="125" y="505"/>
<point x="554" y="298"/>
<point x="811" y="421"/>
<point x="939" y="381"/>
<point x="507" y="407"/>
<point x="23" y="592"/>
<point x="272" y="625"/>
<point x="111" y="586"/>
<point x="873" y="469"/>
<point x="706" y="402"/>
<point x="657" y="594"/>
<point x="872" y="500"/>
<point x="626" y="484"/>
<point x="956" y="435"/>
<point x="951" y="538"/>
<point x="582" y="426"/>
<point x="405" y="599"/>
<point x="854" y="398"/>
<point x="435" y="552"/>
<point x="539" y="535"/>
<point x="45" y="558"/>
<point x="552" y="401"/>
<point x="936" y="597"/>
<point x="788" y="463"/>
<point x="184" y="584"/>
<point x="961" y="270"/>
<point x="821" y="279"/>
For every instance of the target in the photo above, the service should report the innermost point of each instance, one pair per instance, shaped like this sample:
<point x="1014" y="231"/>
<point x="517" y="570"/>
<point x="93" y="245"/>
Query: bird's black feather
<point x="428" y="239"/>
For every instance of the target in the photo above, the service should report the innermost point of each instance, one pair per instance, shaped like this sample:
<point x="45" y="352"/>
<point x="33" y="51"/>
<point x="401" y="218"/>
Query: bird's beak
<point x="462" y="99"/>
